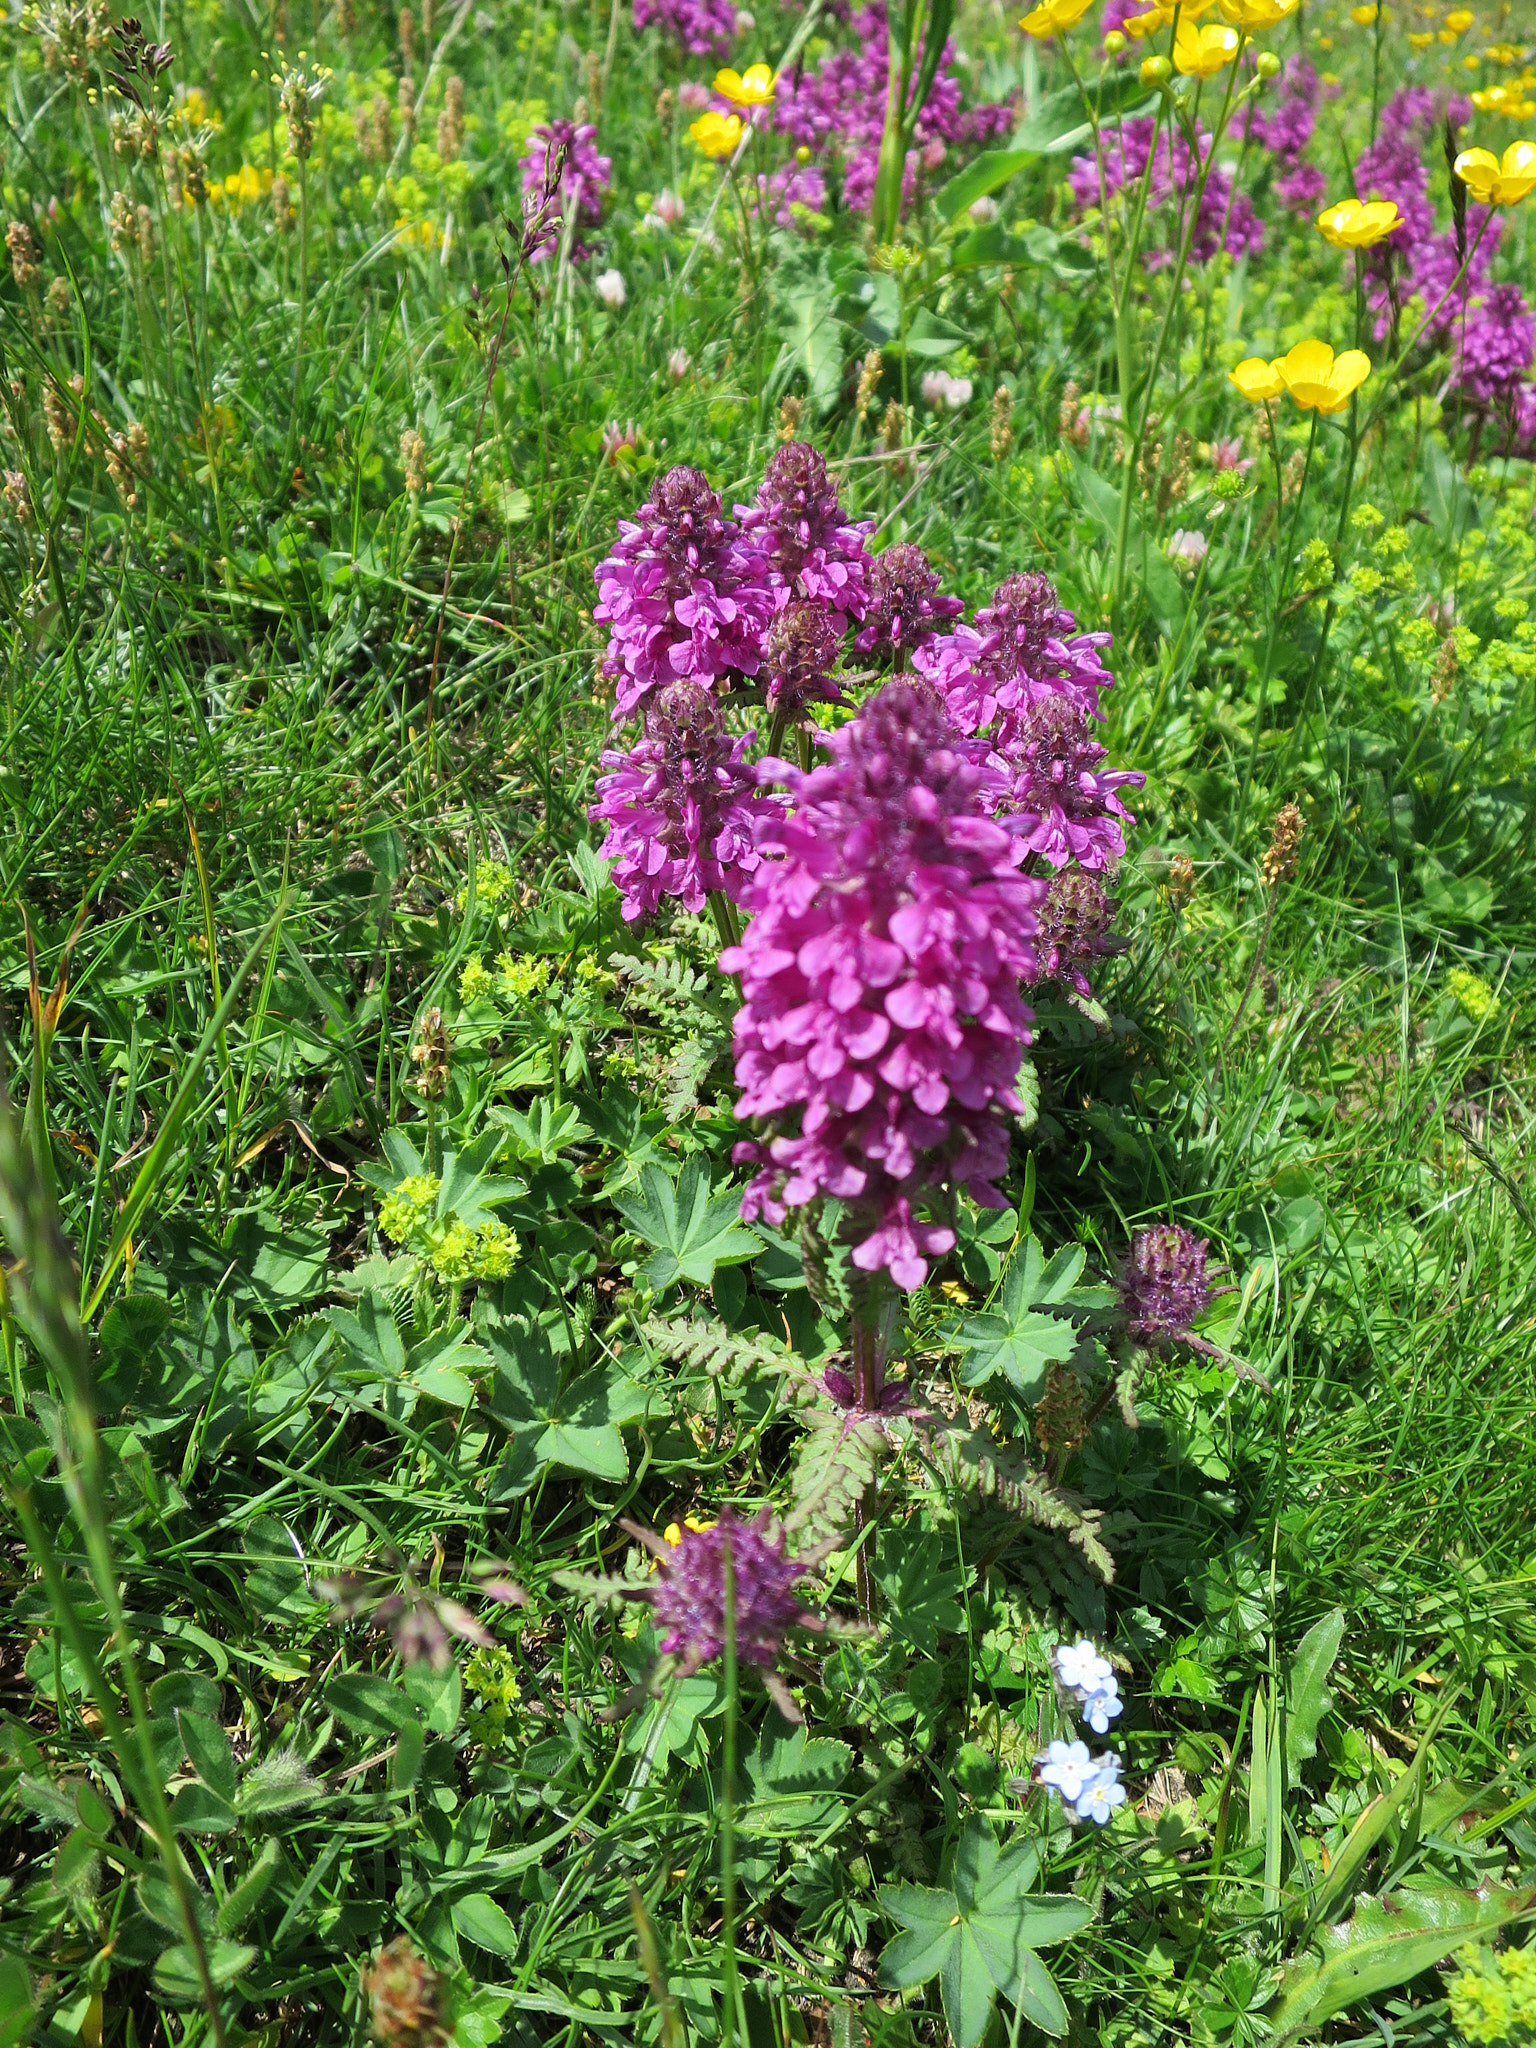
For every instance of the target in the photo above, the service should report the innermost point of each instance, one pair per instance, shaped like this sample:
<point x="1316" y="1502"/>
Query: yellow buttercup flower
<point x="1257" y="380"/>
<point x="1202" y="52"/>
<point x="1459" y="20"/>
<point x="1317" y="379"/>
<point x="1421" y="42"/>
<point x="1509" y="100"/>
<point x="673" y="1532"/>
<point x="1251" y="14"/>
<point x="1499" y="181"/>
<point x="750" y="88"/>
<point x="1362" y="17"/>
<point x="1162" y="13"/>
<point x="1052" y="16"/>
<point x="1359" y="224"/>
<point x="717" y="134"/>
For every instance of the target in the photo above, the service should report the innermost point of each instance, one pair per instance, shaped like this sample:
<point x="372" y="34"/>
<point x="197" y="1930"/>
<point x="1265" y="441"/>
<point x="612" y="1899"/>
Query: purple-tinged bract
<point x="906" y="606"/>
<point x="1163" y="1287"/>
<point x="1076" y="927"/>
<point x="799" y="524"/>
<point x="881" y="1026"/>
<point x="684" y="593"/>
<point x="800" y="651"/>
<point x="682" y="807"/>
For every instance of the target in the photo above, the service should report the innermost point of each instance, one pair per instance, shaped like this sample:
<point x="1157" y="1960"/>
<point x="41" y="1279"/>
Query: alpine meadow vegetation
<point x="767" y="1239"/>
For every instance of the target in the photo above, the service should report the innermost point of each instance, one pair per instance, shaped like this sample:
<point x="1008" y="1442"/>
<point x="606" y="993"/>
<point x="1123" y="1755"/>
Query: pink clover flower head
<point x="1067" y="802"/>
<point x="682" y="807"/>
<point x="881" y="1025"/>
<point x="800" y="651"/>
<point x="584" y="180"/>
<point x="799" y="525"/>
<point x="689" y="1596"/>
<point x="1163" y="1287"/>
<point x="682" y="594"/>
<point x="1076" y="927"/>
<point x="703" y="28"/>
<point x="906" y="607"/>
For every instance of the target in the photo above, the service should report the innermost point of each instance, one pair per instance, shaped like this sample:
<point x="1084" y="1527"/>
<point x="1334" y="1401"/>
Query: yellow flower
<point x="717" y="134"/>
<point x="1493" y="181"/>
<point x="673" y="1532"/>
<point x="1362" y="17"/>
<point x="1251" y="14"/>
<point x="1508" y="100"/>
<point x="1162" y="14"/>
<point x="1317" y="379"/>
<point x="1052" y="16"/>
<point x="1257" y="380"/>
<point x="751" y="88"/>
<point x="1354" y="224"/>
<point x="1459" y="20"/>
<point x="1201" y="52"/>
<point x="1421" y="42"/>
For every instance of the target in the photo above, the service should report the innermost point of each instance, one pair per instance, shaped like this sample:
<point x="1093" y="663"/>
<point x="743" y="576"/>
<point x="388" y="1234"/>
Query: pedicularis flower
<point x="881" y="1025"/>
<point x="682" y="808"/>
<point x="684" y="593"/>
<point x="1499" y="181"/>
<point x="1021" y="652"/>
<point x="1076" y="926"/>
<point x="906" y="607"/>
<point x="1359" y="224"/>
<point x="799" y="524"/>
<point x="1163" y="1287"/>
<point x="688" y="1596"/>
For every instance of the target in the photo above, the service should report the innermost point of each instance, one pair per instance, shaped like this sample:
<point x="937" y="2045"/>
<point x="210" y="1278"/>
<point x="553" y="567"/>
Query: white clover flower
<point x="610" y="288"/>
<point x="1189" y="549"/>
<point x="1103" y="1792"/>
<point x="1080" y="1667"/>
<point x="678" y="365"/>
<point x="945" y="393"/>
<point x="983" y="211"/>
<point x="1068" y="1767"/>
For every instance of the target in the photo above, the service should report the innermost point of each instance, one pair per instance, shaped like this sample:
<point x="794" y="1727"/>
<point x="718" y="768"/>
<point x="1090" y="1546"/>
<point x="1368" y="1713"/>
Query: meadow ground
<point x="373" y="1248"/>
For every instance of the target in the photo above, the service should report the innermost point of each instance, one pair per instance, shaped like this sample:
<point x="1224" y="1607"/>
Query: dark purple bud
<point x="799" y="654"/>
<point x="906" y="606"/>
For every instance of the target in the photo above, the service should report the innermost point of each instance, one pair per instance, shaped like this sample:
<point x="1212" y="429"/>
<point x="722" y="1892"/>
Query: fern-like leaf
<point x="703" y="1341"/>
<point x="670" y="986"/>
<point x="969" y="1458"/>
<point x="835" y="1462"/>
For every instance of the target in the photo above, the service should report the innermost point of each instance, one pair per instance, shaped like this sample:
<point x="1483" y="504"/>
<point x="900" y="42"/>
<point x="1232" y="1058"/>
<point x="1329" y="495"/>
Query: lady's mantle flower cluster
<point x="881" y="1025"/>
<point x="682" y="807"/>
<point x="456" y="1251"/>
<point x="1089" y="1785"/>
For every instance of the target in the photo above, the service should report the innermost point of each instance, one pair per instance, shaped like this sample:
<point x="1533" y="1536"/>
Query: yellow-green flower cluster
<point x="462" y="1252"/>
<point x="1493" y="1998"/>
<point x="1479" y="1003"/>
<point x="491" y="1675"/>
<point x="493" y="885"/>
<point x="520" y="976"/>
<point x="407" y="1207"/>
<point x="1314" y="566"/>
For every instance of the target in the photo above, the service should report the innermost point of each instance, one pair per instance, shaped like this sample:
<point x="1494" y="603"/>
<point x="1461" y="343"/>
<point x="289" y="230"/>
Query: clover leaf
<point x="980" y="1937"/>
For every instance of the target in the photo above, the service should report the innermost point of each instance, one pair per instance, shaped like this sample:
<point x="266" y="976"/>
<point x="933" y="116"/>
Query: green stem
<point x="1288" y="547"/>
<point x="722" y="911"/>
<point x="734" y="2014"/>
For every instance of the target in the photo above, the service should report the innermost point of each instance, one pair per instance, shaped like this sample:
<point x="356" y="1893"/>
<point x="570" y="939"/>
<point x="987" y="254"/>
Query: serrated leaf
<point x="441" y="1365"/>
<point x="693" y="1227"/>
<point x="795" y="1780"/>
<point x="1307" y="1694"/>
<point x="1013" y="1338"/>
<point x="575" y="1425"/>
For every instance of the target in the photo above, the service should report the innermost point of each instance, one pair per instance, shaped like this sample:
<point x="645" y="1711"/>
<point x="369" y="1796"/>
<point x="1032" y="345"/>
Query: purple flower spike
<point x="682" y="808"/>
<point x="906" y="607"/>
<point x="881" y="1025"/>
<point x="799" y="654"/>
<point x="584" y="182"/>
<point x="705" y="28"/>
<point x="688" y="1596"/>
<point x="1022" y="651"/>
<point x="1497" y="344"/>
<point x="1076" y="925"/>
<point x="798" y="521"/>
<point x="1164" y="1287"/>
<point x="1068" y="801"/>
<point x="683" y="594"/>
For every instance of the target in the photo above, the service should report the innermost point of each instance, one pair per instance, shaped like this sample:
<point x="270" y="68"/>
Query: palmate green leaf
<point x="795" y="1779"/>
<point x="693" y="1227"/>
<point x="1385" y="1943"/>
<point x="1014" y="1339"/>
<point x="979" y="1938"/>
<point x="575" y="1424"/>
